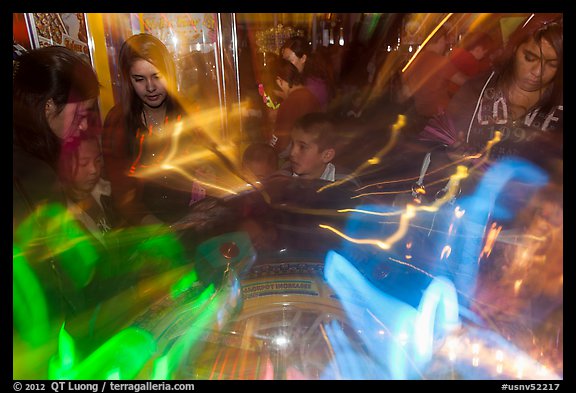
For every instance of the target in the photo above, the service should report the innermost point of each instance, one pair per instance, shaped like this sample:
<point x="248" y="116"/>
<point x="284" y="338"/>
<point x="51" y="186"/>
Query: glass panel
<point x="203" y="53"/>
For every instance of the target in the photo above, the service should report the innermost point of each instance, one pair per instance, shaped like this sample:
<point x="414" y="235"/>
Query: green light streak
<point x="51" y="231"/>
<point x="163" y="248"/>
<point x="185" y="283"/>
<point x="30" y="311"/>
<point x="67" y="351"/>
<point x="161" y="370"/>
<point x="122" y="356"/>
<point x="203" y="311"/>
<point x="61" y="365"/>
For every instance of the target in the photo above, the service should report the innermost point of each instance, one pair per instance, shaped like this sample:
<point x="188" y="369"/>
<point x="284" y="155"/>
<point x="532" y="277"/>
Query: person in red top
<point x="426" y="79"/>
<point x="298" y="100"/>
<point x="471" y="57"/>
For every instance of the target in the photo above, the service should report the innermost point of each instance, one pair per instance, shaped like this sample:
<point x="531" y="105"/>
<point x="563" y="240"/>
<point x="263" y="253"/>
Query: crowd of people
<point x="474" y="105"/>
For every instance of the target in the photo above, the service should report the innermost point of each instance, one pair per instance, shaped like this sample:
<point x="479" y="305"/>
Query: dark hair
<point x="68" y="160"/>
<point x="145" y="47"/>
<point x="316" y="65"/>
<point x="260" y="152"/>
<point x="539" y="27"/>
<point x="56" y="73"/>
<point x="298" y="45"/>
<point x="321" y="126"/>
<point x="288" y="72"/>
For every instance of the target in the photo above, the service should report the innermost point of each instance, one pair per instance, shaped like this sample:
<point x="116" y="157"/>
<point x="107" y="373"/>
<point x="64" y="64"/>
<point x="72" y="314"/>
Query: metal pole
<point x="314" y="32"/>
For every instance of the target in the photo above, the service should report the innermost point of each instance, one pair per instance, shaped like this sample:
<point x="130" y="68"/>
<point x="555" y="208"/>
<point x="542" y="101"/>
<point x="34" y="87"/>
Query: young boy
<point x="314" y="142"/>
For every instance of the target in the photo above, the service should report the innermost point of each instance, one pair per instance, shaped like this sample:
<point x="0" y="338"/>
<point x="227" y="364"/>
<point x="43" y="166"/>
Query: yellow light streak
<point x="426" y="41"/>
<point x="374" y="242"/>
<point x="396" y="127"/>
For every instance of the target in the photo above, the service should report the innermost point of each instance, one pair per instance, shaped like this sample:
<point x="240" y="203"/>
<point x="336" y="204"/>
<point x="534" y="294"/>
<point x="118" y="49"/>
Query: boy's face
<point x="89" y="166"/>
<point x="305" y="156"/>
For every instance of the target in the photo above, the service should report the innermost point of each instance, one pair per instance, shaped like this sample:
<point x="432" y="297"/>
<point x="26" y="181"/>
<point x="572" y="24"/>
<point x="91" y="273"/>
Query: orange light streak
<point x="214" y="365"/>
<point x="224" y="362"/>
<point x="490" y="240"/>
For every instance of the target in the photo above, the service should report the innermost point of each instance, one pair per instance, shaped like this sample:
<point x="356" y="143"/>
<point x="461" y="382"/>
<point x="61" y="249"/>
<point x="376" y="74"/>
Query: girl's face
<point x="73" y="119"/>
<point x="535" y="69"/>
<point x="89" y="166"/>
<point x="148" y="83"/>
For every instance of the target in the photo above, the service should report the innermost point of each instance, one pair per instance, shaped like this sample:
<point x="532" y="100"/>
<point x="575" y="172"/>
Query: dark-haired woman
<point x="519" y="109"/>
<point x="522" y="99"/>
<point x="55" y="95"/>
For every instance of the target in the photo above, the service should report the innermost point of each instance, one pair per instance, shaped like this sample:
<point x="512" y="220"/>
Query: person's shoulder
<point x="459" y="52"/>
<point x="35" y="182"/>
<point x="306" y="97"/>
<point x="314" y="80"/>
<point x="473" y="87"/>
<point x="114" y="115"/>
<point x="297" y="97"/>
<point x="314" y="83"/>
<point x="345" y="174"/>
<point x="23" y="161"/>
<point x="304" y="91"/>
<point x="461" y="57"/>
<point x="481" y="79"/>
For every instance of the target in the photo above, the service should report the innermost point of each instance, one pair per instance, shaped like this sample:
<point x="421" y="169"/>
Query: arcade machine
<point x="334" y="292"/>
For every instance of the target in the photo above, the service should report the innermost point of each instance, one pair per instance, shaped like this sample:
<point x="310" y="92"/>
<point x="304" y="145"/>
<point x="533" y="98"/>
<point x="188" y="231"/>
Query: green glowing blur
<point x="185" y="283"/>
<point x="52" y="232"/>
<point x="157" y="249"/>
<point x="61" y="365"/>
<point x="30" y="312"/>
<point x="121" y="357"/>
<point x="51" y="239"/>
<point x="200" y="314"/>
<point x="67" y="352"/>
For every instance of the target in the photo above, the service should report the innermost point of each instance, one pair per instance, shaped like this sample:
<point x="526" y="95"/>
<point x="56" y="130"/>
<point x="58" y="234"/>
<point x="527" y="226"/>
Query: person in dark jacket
<point x="55" y="95"/>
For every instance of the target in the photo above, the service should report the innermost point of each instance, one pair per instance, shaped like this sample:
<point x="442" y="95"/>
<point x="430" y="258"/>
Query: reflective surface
<point x="413" y="266"/>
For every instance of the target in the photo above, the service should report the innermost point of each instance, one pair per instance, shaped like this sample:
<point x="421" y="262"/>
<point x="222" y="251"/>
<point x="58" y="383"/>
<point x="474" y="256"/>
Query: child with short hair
<point x="314" y="144"/>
